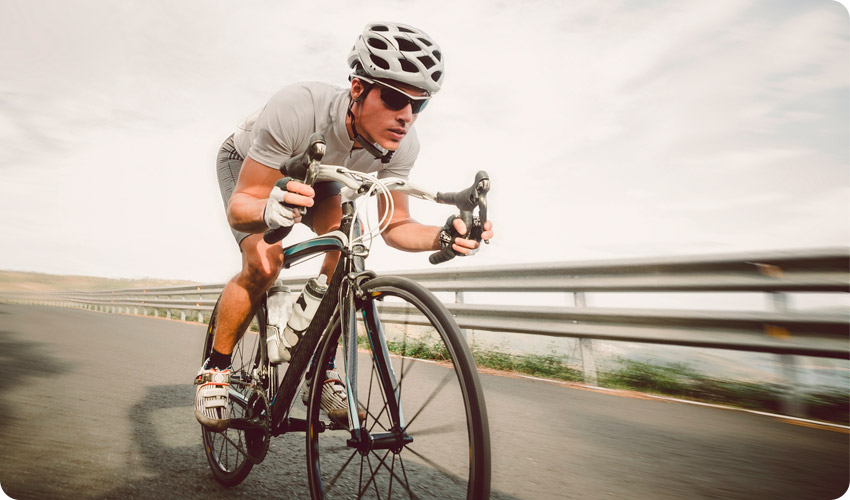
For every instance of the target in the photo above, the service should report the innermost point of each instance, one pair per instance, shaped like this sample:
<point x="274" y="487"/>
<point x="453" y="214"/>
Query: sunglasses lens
<point x="395" y="100"/>
<point x="418" y="106"/>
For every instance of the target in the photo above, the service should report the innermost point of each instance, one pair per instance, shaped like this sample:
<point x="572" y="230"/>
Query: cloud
<point x="609" y="129"/>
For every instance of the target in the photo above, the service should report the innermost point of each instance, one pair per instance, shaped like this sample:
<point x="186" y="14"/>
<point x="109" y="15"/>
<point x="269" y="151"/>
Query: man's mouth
<point x="397" y="133"/>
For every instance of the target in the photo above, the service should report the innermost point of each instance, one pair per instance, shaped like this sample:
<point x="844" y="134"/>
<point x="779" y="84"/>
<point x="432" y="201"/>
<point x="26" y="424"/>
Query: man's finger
<point x="297" y="199"/>
<point x="300" y="188"/>
<point x="460" y="227"/>
<point x="462" y="242"/>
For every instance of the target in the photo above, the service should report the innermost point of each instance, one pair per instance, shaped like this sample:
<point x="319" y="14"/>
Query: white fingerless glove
<point x="277" y="213"/>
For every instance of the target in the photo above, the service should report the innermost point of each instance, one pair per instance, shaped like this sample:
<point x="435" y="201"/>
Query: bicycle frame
<point x="336" y="310"/>
<point x="351" y="300"/>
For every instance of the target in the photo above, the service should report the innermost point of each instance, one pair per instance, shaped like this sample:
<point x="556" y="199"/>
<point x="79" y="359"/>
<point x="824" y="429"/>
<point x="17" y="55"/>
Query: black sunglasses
<point x="396" y="99"/>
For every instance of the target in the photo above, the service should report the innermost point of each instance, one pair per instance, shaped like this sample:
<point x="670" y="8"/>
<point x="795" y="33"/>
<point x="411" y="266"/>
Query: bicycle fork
<point x="362" y="439"/>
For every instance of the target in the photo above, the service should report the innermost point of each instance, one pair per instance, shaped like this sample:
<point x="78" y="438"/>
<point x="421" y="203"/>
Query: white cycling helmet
<point x="398" y="52"/>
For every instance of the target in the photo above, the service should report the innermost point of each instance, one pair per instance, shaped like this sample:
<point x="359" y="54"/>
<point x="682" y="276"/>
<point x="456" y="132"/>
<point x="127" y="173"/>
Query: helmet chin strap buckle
<point x="374" y="149"/>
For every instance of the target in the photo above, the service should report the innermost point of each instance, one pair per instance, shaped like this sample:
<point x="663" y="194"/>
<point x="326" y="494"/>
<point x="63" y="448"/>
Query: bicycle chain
<point x="258" y="456"/>
<point x="256" y="449"/>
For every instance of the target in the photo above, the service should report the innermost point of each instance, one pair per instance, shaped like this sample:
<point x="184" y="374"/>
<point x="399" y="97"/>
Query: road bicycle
<point x="416" y="428"/>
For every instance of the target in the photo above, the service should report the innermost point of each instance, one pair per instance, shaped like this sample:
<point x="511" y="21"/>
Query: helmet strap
<point x="374" y="149"/>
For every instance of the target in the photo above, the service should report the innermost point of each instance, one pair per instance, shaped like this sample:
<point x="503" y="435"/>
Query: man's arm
<point x="248" y="203"/>
<point x="404" y="233"/>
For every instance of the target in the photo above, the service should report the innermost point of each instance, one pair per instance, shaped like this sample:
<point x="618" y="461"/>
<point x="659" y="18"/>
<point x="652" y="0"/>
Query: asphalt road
<point x="97" y="406"/>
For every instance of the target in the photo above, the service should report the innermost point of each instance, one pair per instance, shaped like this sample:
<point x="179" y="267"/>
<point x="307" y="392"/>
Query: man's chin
<point x="390" y="145"/>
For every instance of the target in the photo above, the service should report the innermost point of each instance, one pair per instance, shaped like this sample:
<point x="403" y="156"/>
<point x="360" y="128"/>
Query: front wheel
<point x="425" y="432"/>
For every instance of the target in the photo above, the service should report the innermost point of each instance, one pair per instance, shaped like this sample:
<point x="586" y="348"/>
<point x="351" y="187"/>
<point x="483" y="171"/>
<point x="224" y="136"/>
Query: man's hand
<point x="284" y="206"/>
<point x="462" y="246"/>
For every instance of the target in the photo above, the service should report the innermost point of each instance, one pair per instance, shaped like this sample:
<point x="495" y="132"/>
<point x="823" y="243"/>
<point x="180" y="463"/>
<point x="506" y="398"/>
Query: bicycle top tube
<point x="332" y="241"/>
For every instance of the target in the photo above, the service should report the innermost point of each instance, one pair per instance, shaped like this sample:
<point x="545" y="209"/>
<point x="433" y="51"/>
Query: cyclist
<point x="395" y="69"/>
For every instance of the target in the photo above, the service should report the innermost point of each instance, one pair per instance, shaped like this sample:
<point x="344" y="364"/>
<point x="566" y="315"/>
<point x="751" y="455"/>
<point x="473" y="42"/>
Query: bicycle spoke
<point x="439" y="429"/>
<point x="406" y="481"/>
<point x="393" y="474"/>
<point x="435" y="465"/>
<point x="431" y="397"/>
<point x="238" y="447"/>
<point x="369" y="402"/>
<point x="390" y="493"/>
<point x="341" y="470"/>
<point x="375" y="421"/>
<point x="374" y="472"/>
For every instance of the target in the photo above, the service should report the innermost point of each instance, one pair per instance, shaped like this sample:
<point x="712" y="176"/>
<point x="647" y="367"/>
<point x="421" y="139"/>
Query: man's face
<point x="378" y="123"/>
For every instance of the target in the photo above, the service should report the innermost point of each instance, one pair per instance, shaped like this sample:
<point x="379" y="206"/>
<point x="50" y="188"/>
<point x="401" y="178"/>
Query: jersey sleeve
<point x="403" y="159"/>
<point x="282" y="127"/>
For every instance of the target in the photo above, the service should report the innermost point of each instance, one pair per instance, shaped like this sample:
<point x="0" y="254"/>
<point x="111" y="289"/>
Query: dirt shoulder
<point x="17" y="281"/>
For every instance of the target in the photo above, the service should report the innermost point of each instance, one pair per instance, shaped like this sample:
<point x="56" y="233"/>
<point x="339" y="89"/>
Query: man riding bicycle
<point x="368" y="128"/>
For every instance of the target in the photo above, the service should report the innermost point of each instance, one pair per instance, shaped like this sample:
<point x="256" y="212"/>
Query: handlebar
<point x="306" y="167"/>
<point x="466" y="201"/>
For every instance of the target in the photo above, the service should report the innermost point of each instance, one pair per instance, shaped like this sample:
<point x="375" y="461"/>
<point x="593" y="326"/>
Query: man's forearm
<point x="412" y="236"/>
<point x="245" y="213"/>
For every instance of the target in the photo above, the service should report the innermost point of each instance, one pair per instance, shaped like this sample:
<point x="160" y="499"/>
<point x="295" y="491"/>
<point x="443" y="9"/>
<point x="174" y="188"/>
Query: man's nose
<point x="405" y="114"/>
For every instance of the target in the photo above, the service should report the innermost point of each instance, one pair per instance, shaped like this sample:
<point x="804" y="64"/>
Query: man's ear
<point x="356" y="89"/>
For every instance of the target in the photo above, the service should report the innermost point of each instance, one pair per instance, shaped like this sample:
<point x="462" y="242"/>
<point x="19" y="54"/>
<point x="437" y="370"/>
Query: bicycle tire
<point x="444" y="409"/>
<point x="231" y="453"/>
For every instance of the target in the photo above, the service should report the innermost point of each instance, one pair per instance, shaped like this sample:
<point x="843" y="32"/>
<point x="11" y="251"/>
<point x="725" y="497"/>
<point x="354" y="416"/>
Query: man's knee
<point x="261" y="263"/>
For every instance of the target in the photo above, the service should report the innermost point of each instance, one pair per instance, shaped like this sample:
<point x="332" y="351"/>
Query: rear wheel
<point x="435" y="442"/>
<point x="233" y="452"/>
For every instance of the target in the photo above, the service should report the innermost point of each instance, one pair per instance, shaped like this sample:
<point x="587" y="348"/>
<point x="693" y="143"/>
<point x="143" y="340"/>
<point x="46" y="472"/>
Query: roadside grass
<point x="549" y="365"/>
<point x="681" y="381"/>
<point x="675" y="380"/>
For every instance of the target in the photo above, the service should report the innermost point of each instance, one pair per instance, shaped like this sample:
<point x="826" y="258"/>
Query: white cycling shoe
<point x="334" y="399"/>
<point x="212" y="404"/>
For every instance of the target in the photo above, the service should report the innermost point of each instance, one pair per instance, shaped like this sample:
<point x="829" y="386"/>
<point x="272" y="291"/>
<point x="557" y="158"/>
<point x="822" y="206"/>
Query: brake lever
<point x="482" y="187"/>
<point x="304" y="167"/>
<point x="466" y="202"/>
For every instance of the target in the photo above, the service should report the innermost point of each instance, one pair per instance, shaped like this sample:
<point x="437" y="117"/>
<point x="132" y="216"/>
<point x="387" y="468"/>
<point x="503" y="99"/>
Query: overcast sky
<point x="610" y="129"/>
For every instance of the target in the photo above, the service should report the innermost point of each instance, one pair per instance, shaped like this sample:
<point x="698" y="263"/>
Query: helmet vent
<point x="377" y="61"/>
<point x="405" y="30"/>
<point x="379" y="28"/>
<point x="377" y="43"/>
<point x="406" y="45"/>
<point x="427" y="61"/>
<point x="425" y="42"/>
<point x="408" y="66"/>
<point x="438" y="55"/>
<point x="437" y="75"/>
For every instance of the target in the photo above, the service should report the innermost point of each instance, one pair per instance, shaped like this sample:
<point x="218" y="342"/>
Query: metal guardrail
<point x="781" y="331"/>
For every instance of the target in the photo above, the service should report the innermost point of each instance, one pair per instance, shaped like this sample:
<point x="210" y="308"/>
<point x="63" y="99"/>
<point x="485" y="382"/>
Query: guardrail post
<point x="793" y="401"/>
<point x="469" y="335"/>
<point x="588" y="361"/>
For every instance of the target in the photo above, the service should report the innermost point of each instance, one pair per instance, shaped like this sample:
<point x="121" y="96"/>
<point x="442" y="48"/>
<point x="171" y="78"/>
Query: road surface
<point x="97" y="406"/>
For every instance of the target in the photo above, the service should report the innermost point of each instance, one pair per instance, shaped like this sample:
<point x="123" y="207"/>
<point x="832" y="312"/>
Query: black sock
<point x="219" y="360"/>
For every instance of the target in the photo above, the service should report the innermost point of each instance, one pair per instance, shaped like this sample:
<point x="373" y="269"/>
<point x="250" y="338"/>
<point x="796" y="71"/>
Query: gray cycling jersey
<point x="282" y="128"/>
